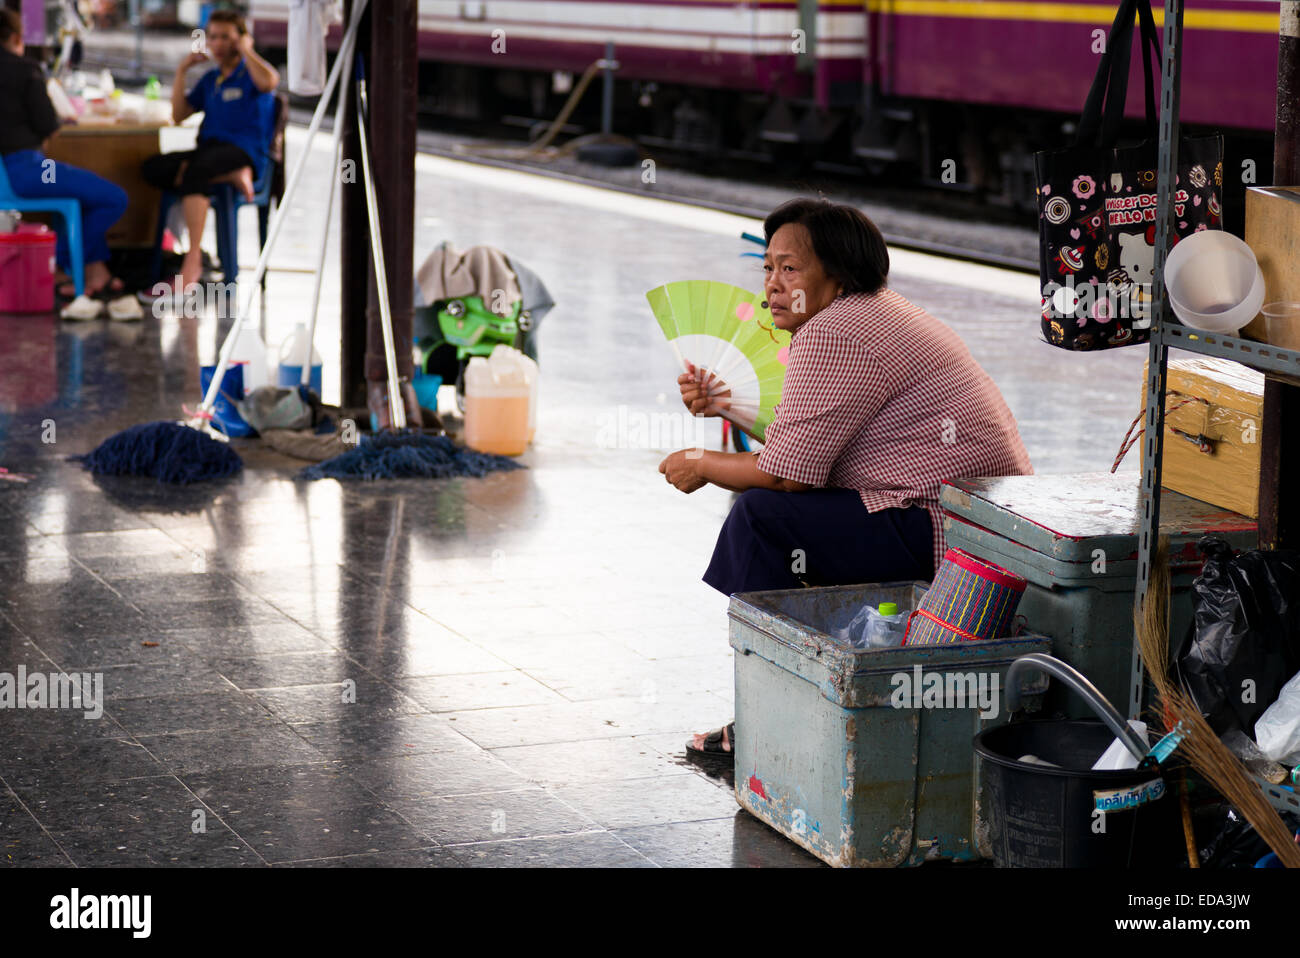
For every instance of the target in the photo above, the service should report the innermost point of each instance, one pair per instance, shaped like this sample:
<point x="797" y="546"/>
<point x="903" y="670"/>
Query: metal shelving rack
<point x="1167" y="333"/>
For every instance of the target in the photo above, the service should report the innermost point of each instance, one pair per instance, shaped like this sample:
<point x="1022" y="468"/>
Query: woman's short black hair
<point x="849" y="245"/>
<point x="11" y="24"/>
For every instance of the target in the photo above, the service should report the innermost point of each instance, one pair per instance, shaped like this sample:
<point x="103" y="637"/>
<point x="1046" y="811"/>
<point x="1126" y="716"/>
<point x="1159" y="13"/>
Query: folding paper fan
<point x="728" y="331"/>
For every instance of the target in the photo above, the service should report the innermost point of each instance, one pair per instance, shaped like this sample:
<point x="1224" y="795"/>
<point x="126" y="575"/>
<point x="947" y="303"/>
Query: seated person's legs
<point x="192" y="174"/>
<point x="780" y="540"/>
<point x="241" y="179"/>
<point x="102" y="205"/>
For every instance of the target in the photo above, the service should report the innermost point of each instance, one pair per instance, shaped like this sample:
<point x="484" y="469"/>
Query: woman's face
<point x="797" y="286"/>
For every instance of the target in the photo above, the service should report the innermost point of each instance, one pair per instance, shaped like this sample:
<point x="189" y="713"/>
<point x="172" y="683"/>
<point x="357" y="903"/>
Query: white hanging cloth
<point x="309" y="22"/>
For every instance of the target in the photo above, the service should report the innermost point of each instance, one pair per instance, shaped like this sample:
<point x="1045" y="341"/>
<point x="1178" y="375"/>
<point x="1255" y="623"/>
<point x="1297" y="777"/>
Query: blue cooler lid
<point x="1066" y="519"/>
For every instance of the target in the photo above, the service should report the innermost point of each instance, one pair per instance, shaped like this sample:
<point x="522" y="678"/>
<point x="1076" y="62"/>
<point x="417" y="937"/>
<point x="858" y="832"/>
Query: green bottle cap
<point x="888" y="608"/>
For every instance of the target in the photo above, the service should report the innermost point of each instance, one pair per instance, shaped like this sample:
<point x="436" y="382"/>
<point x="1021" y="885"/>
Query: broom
<point x="191" y="450"/>
<point x="1203" y="748"/>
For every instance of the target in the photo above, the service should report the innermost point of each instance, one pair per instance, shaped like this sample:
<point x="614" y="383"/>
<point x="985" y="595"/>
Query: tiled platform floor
<point x="495" y="671"/>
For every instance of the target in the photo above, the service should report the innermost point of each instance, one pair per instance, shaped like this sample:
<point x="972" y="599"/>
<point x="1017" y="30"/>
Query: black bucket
<point x="1044" y="817"/>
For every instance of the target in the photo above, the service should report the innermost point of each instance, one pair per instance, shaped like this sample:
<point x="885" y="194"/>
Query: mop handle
<point x="396" y="410"/>
<point x="337" y="154"/>
<point x="228" y="346"/>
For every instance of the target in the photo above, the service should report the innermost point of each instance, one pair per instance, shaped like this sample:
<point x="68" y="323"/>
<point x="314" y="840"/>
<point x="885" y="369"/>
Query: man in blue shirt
<point x="237" y="101"/>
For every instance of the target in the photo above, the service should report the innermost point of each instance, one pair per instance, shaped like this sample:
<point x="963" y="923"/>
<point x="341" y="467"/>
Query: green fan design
<point x="728" y="331"/>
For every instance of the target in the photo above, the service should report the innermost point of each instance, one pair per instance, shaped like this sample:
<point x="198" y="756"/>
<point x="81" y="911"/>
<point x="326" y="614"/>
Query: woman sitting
<point x="236" y="102"/>
<point x="881" y="403"/>
<point x="27" y="120"/>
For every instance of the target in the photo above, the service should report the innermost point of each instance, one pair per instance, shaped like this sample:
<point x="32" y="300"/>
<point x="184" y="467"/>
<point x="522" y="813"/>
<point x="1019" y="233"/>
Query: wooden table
<point x="115" y="152"/>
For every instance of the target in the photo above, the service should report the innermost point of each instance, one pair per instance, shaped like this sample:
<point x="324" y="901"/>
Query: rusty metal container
<point x="843" y="750"/>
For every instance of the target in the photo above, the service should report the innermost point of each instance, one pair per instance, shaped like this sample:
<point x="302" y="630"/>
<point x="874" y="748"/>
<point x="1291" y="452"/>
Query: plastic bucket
<point x="1070" y="816"/>
<point x="224" y="414"/>
<point x="426" y="387"/>
<point x="1214" y="281"/>
<point x="290" y="376"/>
<point x="27" y="270"/>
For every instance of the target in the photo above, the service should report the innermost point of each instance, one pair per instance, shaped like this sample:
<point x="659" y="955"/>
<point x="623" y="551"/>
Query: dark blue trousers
<point x="781" y="540"/>
<point x="102" y="203"/>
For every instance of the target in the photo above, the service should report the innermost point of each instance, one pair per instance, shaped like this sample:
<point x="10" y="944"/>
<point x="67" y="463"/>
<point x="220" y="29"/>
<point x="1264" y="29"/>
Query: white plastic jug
<point x="497" y="399"/>
<point x="251" y="351"/>
<point x="293" y="354"/>
<point x="535" y="377"/>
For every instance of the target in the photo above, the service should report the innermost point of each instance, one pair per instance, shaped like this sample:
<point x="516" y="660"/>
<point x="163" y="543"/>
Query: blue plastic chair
<point x="226" y="201"/>
<point x="69" y="209"/>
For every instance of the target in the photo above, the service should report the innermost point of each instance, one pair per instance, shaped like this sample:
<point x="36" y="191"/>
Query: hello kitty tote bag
<point x="1097" y="204"/>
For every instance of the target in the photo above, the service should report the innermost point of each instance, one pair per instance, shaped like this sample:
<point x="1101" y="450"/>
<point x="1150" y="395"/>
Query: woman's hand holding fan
<point x="733" y="352"/>
<point x="703" y="393"/>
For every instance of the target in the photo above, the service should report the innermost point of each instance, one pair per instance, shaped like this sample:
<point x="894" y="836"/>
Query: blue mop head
<point x="166" y="450"/>
<point x="388" y="455"/>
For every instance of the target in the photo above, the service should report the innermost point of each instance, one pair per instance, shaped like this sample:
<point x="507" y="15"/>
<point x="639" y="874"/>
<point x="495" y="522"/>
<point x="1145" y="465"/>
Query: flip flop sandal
<point x="713" y="750"/>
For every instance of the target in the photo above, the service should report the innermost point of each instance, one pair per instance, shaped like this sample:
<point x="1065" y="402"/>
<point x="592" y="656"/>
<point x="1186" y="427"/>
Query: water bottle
<point x="294" y="352"/>
<point x="152" y="88"/>
<point x="885" y="626"/>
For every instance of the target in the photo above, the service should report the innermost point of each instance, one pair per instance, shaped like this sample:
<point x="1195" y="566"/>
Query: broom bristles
<point x="1215" y="761"/>
<point x="1203" y="748"/>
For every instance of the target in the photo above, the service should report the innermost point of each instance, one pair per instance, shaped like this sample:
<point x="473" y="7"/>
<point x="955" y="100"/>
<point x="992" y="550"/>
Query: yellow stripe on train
<point x="1240" y="21"/>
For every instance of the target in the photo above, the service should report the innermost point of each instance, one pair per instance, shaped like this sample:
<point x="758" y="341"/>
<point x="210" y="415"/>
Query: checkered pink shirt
<point x="881" y="397"/>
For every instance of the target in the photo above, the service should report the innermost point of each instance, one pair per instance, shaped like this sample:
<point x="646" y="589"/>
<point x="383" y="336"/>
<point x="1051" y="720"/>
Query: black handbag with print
<point x="1097" y="204"/>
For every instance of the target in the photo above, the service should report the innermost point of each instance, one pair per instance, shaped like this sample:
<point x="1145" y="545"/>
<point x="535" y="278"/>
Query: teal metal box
<point x="1075" y="539"/>
<point x="824" y="753"/>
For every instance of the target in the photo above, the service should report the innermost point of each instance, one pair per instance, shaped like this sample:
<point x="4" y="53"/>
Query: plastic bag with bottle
<point x="873" y="628"/>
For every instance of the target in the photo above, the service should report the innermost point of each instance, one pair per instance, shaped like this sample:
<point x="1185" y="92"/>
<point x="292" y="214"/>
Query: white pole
<point x="396" y="409"/>
<point x="228" y="346"/>
<point x="337" y="156"/>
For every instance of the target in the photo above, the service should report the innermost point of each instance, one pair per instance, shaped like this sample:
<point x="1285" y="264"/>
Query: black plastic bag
<point x="1244" y="643"/>
<point x="1237" y="844"/>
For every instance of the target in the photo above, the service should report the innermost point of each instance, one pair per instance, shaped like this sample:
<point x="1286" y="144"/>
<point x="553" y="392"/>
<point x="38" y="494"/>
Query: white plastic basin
<point x="1214" y="282"/>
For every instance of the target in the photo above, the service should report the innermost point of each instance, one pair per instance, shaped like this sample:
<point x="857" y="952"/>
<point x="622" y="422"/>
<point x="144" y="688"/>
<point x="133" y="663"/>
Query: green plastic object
<point x="888" y="608"/>
<point x="474" y="329"/>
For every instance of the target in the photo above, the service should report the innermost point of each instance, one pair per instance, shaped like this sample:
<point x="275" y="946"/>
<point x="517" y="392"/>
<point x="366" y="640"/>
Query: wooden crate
<point x="1273" y="233"/>
<point x="1212" y="444"/>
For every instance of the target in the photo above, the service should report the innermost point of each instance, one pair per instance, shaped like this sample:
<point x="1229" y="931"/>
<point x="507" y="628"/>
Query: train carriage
<point x="878" y="82"/>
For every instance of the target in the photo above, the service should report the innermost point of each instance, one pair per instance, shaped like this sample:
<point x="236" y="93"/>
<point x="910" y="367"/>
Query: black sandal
<point x="713" y="750"/>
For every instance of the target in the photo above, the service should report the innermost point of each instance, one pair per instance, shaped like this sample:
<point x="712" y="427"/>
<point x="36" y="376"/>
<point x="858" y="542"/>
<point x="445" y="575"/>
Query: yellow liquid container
<point x="498" y="394"/>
